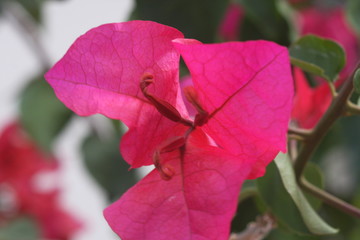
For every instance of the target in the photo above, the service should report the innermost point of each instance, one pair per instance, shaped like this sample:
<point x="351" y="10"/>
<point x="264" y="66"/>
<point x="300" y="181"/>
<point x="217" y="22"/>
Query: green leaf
<point x="20" y="229"/>
<point x="42" y="114"/>
<point x="105" y="164"/>
<point x="274" y="194"/>
<point x="353" y="13"/>
<point x="197" y="19"/>
<point x="247" y="211"/>
<point x="282" y="234"/>
<point x="279" y="190"/>
<point x="248" y="189"/>
<point x="263" y="20"/>
<point x="33" y="7"/>
<point x="313" y="175"/>
<point x="320" y="56"/>
<point x="357" y="81"/>
<point x="301" y="4"/>
<point x="312" y="220"/>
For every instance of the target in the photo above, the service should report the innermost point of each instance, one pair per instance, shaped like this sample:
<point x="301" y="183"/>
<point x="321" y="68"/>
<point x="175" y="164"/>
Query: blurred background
<point x="33" y="35"/>
<point x="59" y="171"/>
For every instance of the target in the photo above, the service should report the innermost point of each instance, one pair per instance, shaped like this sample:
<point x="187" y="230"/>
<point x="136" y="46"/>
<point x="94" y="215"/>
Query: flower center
<point x="164" y="108"/>
<point x="202" y="117"/>
<point x="169" y="111"/>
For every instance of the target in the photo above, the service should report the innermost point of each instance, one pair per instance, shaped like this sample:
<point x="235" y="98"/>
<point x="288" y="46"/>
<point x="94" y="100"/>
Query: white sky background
<point x="64" y="21"/>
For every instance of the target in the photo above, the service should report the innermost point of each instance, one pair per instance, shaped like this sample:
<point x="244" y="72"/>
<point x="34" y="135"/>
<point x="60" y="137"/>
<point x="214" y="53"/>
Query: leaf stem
<point x="330" y="199"/>
<point x="336" y="110"/>
<point x="300" y="132"/>
<point x="352" y="109"/>
<point x="332" y="89"/>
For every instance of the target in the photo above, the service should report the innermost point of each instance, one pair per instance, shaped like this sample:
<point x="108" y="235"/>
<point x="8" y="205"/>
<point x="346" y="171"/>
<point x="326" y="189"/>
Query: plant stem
<point x="352" y="109"/>
<point x="332" y="89"/>
<point x="330" y="199"/>
<point x="336" y="110"/>
<point x="27" y="27"/>
<point x="300" y="132"/>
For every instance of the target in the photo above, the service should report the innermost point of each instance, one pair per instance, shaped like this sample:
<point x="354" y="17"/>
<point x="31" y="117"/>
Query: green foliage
<point x="349" y="137"/>
<point x="104" y="162"/>
<point x="247" y="211"/>
<point x="320" y="56"/>
<point x="41" y="113"/>
<point x="357" y="81"/>
<point x="282" y="234"/>
<point x="280" y="192"/>
<point x="248" y="189"/>
<point x="20" y="229"/>
<point x="33" y="7"/>
<point x="197" y="19"/>
<point x="301" y="4"/>
<point x="353" y="13"/>
<point x="263" y="20"/>
<point x="313" y="174"/>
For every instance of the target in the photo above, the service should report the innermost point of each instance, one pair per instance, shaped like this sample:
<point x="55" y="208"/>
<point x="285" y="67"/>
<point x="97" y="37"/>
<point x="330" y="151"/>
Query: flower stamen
<point x="192" y="96"/>
<point x="165" y="108"/>
<point x="165" y="170"/>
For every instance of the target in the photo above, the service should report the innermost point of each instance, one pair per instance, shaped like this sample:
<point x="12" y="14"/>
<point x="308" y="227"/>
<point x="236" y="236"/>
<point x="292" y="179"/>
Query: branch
<point x="339" y="107"/>
<point x="27" y="26"/>
<point x="330" y="199"/>
<point x="335" y="111"/>
<point x="299" y="133"/>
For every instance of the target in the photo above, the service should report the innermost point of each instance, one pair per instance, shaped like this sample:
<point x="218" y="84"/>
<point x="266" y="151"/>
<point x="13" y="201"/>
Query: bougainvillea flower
<point x="242" y="93"/>
<point x="230" y="25"/>
<point x="21" y="163"/>
<point x="310" y="104"/>
<point x="331" y="23"/>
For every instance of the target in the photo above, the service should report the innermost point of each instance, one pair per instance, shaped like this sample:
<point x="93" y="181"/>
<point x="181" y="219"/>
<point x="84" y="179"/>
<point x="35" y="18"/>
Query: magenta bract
<point x="242" y="93"/>
<point x="310" y="104"/>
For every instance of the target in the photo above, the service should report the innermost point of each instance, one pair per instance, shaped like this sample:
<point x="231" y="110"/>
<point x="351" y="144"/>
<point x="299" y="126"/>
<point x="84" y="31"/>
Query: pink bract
<point x="230" y="26"/>
<point x="243" y="86"/>
<point x="242" y="93"/>
<point x="21" y="162"/>
<point x="310" y="104"/>
<point x="197" y="203"/>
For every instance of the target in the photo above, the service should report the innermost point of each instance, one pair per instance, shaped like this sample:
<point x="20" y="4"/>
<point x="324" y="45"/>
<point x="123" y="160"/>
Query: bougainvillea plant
<point x="332" y="24"/>
<point x="311" y="103"/>
<point x="22" y="164"/>
<point x="243" y="96"/>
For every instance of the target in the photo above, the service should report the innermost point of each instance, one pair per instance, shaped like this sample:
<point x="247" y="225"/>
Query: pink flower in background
<point x="22" y="163"/>
<point x="310" y="104"/>
<point x="331" y="23"/>
<point x="242" y="93"/>
<point x="230" y="26"/>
